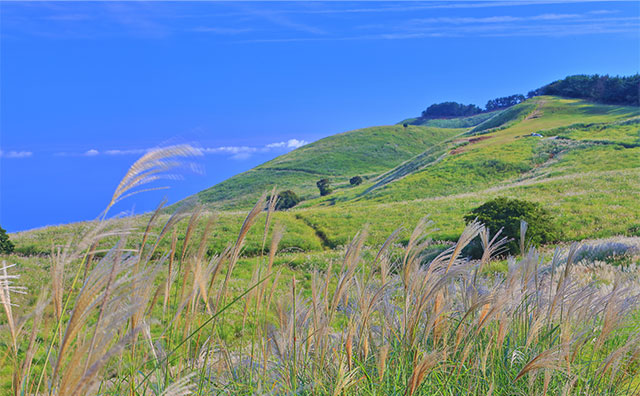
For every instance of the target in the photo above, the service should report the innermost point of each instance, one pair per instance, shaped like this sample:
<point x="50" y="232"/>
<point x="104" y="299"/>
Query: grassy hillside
<point x="457" y="122"/>
<point x="584" y="169"/>
<point x="366" y="152"/>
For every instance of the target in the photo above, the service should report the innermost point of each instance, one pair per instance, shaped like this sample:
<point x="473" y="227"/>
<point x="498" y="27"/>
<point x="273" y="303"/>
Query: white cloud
<point x="295" y="143"/>
<point x="290" y="144"/>
<point x="236" y="152"/>
<point x="15" y="154"/>
<point x="243" y="152"/>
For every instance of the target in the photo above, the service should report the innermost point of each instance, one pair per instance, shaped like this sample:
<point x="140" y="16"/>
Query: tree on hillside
<point x="450" y="109"/>
<point x="504" y="102"/>
<point x="324" y="187"/>
<point x="355" y="181"/>
<point x="506" y="214"/>
<point x="6" y="246"/>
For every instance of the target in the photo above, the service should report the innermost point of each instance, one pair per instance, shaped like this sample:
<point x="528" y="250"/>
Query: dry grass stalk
<point x="150" y="167"/>
<point x="6" y="288"/>
<point x="420" y="370"/>
<point x="382" y="361"/>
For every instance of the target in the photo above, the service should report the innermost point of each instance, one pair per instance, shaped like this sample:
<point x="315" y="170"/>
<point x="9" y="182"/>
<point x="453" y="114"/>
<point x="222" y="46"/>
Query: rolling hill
<point x="420" y="162"/>
<point x="584" y="167"/>
<point x="366" y="152"/>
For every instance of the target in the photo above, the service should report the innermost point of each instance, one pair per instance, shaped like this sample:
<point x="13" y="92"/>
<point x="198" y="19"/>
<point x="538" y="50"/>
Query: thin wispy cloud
<point x="401" y="7"/>
<point x="283" y="21"/>
<point x="495" y="19"/>
<point x="221" y="30"/>
<point x="238" y="23"/>
<point x="542" y="25"/>
<point x="15" y="154"/>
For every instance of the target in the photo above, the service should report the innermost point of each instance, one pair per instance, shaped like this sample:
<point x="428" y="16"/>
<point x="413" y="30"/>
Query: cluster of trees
<point x="504" y="102"/>
<point x="450" y="109"/>
<point x="596" y="88"/>
<point x="454" y="109"/>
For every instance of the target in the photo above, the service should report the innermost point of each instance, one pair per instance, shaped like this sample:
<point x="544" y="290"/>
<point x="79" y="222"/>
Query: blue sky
<point x="85" y="88"/>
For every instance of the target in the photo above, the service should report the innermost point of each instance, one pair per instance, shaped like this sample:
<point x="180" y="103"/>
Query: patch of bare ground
<point x="537" y="113"/>
<point x="464" y="144"/>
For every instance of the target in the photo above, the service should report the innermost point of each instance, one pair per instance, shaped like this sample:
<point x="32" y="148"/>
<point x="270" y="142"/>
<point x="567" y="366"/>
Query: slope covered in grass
<point x="585" y="169"/>
<point x="366" y="152"/>
<point x="456" y="122"/>
<point x="506" y="155"/>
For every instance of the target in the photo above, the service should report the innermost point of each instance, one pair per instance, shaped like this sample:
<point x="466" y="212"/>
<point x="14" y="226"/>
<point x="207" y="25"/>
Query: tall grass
<point x="139" y="321"/>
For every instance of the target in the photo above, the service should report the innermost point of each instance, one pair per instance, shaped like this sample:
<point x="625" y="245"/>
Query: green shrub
<point x="287" y="199"/>
<point x="30" y="250"/>
<point x="6" y="246"/>
<point x="506" y="214"/>
<point x="355" y="181"/>
<point x="324" y="187"/>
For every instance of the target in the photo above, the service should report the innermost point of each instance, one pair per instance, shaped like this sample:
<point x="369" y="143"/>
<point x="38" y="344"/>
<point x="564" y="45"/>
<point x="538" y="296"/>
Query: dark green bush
<point x="355" y="181"/>
<point x="324" y="187"/>
<point x="506" y="214"/>
<point x="6" y="246"/>
<point x="287" y="199"/>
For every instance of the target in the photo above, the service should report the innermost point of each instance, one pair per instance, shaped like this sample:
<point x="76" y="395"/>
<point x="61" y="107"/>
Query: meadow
<point x="153" y="306"/>
<point x="365" y="291"/>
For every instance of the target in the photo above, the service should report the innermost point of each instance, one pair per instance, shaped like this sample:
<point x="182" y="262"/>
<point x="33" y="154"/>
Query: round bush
<point x="287" y="199"/>
<point x="506" y="214"/>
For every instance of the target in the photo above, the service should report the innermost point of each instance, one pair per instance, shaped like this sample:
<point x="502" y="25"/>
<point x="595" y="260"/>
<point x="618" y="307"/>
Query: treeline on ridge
<point x="595" y="88"/>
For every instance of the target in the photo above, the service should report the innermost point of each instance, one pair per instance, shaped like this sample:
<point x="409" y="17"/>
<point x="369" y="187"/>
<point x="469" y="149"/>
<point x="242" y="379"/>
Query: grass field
<point x="359" y="321"/>
<point x="586" y="168"/>
<point x="148" y="295"/>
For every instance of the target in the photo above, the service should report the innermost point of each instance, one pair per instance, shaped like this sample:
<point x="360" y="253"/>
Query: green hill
<point x="585" y="168"/>
<point x="365" y="152"/>
<point x="579" y="160"/>
<point x="417" y="162"/>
